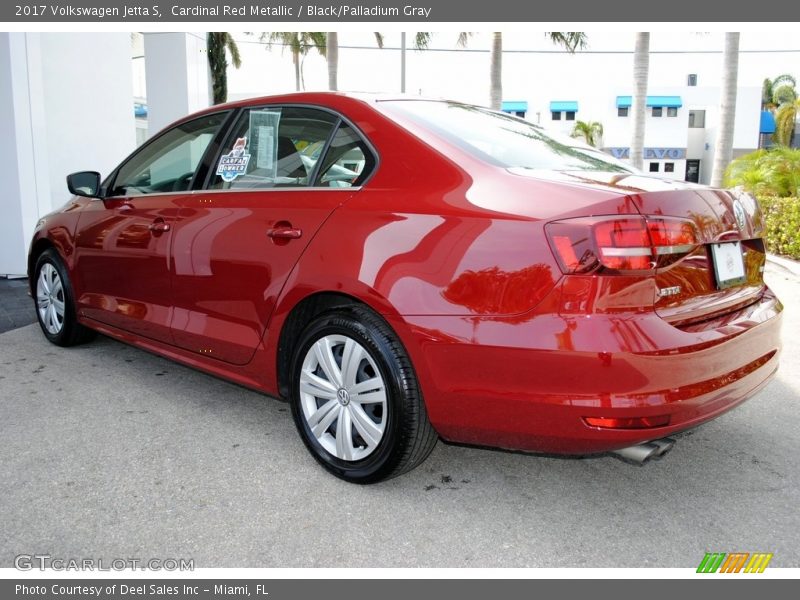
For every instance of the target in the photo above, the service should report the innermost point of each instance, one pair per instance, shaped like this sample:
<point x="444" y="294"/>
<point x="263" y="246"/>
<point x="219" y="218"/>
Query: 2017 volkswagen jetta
<point x="401" y="270"/>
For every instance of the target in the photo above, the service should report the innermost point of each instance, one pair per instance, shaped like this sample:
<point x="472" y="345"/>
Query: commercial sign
<point x="651" y="153"/>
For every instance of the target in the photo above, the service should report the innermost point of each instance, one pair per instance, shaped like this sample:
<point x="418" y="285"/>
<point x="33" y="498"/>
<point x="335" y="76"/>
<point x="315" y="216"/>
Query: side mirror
<point x="84" y="183"/>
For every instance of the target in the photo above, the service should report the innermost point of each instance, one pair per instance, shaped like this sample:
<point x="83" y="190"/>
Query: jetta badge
<point x="669" y="291"/>
<point x="738" y="212"/>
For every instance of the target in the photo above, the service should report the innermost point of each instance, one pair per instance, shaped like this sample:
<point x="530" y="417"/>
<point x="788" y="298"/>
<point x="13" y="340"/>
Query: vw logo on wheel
<point x="344" y="397"/>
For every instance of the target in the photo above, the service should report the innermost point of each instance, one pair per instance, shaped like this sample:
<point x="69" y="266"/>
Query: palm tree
<point x="785" y="122"/>
<point x="770" y="95"/>
<point x="723" y="149"/>
<point x="569" y="40"/>
<point x="496" y="71"/>
<point x="590" y="131"/>
<point x="332" y="44"/>
<point x="217" y="43"/>
<point x="641" y="68"/>
<point x="300" y="43"/>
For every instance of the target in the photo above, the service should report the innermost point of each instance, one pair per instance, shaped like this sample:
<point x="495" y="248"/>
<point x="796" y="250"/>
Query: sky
<point x="532" y="64"/>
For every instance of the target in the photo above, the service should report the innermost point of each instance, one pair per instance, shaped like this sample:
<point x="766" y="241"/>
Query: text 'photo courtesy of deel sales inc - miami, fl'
<point x="262" y="10"/>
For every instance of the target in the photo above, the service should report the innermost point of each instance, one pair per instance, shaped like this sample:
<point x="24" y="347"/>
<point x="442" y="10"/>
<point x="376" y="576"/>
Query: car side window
<point x="168" y="163"/>
<point x="348" y="161"/>
<point x="273" y="147"/>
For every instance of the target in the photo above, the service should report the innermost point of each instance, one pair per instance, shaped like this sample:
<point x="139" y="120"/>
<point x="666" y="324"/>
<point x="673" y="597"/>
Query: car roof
<point x="320" y="98"/>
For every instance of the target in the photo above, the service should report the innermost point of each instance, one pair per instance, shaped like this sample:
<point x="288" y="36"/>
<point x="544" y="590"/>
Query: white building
<point x="680" y="124"/>
<point x="67" y="104"/>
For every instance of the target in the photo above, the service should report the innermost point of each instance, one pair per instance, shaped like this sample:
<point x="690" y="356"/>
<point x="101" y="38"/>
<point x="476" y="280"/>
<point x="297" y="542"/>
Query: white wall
<point x="176" y="74"/>
<point x="16" y="154"/>
<point x="66" y="105"/>
<point x="88" y="106"/>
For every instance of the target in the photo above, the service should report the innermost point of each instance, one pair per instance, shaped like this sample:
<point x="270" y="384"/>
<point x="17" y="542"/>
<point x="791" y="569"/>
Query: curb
<point x="790" y="265"/>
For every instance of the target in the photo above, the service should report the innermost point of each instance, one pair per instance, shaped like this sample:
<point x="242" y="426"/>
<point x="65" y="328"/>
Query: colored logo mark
<point x="734" y="562"/>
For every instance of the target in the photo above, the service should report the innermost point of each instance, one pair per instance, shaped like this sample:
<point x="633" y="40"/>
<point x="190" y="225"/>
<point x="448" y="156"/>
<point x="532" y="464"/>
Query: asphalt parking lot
<point x="109" y="452"/>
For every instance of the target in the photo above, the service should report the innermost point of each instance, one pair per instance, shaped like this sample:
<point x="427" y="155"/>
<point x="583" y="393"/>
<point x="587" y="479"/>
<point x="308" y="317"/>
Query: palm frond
<point x="422" y="40"/>
<point x="233" y="48"/>
<point x="785" y="120"/>
<point x="569" y="40"/>
<point x="784" y="94"/>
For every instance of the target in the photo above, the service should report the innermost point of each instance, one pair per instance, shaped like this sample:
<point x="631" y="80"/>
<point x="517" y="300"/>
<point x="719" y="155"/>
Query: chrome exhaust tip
<point x="641" y="453"/>
<point x="664" y="445"/>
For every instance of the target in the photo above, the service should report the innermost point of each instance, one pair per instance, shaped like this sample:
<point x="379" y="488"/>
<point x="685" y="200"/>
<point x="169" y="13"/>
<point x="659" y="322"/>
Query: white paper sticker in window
<point x="264" y="135"/>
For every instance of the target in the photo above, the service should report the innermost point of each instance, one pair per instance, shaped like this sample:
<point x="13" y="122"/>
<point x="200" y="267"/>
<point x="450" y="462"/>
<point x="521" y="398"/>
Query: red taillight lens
<point x="623" y="244"/>
<point x="630" y="243"/>
<point x="672" y="238"/>
<point x="627" y="422"/>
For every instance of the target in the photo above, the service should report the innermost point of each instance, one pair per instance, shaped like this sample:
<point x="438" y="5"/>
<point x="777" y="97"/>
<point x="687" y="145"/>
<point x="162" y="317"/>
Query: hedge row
<point x="783" y="225"/>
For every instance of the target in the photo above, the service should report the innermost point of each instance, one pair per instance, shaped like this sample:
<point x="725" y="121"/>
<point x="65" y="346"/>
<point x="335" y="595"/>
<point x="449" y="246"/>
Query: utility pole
<point x="403" y="63"/>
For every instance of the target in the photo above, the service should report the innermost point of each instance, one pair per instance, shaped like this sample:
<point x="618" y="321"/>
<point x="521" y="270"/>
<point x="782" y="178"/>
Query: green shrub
<point x="773" y="176"/>
<point x="782" y="218"/>
<point x="774" y="172"/>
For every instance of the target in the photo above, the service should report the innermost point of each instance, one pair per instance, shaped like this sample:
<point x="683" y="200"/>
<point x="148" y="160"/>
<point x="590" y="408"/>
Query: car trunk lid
<point x="709" y="280"/>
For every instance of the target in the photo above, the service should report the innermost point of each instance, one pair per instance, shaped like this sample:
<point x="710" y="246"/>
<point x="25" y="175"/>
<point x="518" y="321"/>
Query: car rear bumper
<point x="528" y="382"/>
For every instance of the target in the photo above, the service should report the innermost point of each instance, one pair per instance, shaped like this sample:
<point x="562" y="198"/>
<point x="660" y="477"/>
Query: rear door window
<point x="273" y="147"/>
<point x="348" y="161"/>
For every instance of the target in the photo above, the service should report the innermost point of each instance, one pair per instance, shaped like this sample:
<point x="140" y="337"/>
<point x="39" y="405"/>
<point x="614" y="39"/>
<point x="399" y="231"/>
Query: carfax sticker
<point x="234" y="164"/>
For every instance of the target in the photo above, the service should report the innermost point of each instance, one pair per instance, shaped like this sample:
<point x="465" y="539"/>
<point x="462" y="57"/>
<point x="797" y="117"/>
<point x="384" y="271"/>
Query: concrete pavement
<point x="16" y="307"/>
<point x="110" y="452"/>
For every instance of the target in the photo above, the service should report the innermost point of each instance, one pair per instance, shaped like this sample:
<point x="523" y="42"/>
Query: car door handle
<point x="159" y="227"/>
<point x="286" y="233"/>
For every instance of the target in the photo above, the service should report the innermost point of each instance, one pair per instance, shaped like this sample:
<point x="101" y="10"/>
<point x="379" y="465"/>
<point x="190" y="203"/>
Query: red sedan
<point x="403" y="269"/>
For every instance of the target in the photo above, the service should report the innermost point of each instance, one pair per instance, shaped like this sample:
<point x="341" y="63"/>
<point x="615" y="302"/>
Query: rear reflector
<point x="627" y="422"/>
<point x="630" y="243"/>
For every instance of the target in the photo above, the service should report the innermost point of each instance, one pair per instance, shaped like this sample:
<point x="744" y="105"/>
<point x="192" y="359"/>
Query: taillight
<point x="629" y="243"/>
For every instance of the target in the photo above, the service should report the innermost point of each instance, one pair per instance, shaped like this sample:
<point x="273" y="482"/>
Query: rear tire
<point x="55" y="302"/>
<point x="355" y="398"/>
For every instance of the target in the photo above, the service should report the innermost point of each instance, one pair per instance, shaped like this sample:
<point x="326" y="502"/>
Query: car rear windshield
<point x="503" y="140"/>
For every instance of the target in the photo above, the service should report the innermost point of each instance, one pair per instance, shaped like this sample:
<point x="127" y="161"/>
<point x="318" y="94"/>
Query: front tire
<point x="355" y="398"/>
<point x="55" y="302"/>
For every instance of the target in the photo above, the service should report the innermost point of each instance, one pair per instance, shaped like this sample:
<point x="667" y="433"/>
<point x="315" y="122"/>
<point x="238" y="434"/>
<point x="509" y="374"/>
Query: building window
<point x="672" y="111"/>
<point x="669" y="167"/>
<point x="657" y="110"/>
<point x="697" y="119"/>
<point x="622" y="111"/>
<point x="654" y="167"/>
<point x="692" y="80"/>
<point x="556" y="115"/>
<point x="520" y="113"/>
<point x="570" y="115"/>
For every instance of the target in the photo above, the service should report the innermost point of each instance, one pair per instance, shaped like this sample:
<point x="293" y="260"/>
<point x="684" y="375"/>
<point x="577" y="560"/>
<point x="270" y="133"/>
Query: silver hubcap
<point x="50" y="299"/>
<point x="343" y="397"/>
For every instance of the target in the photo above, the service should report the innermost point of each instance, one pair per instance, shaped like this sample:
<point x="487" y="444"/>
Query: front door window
<point x="168" y="163"/>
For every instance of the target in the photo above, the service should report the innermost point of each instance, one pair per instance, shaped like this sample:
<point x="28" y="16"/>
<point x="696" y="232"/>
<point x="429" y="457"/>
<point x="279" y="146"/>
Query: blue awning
<point x="664" y="101"/>
<point x="514" y="106"/>
<point x="139" y="109"/>
<point x="767" y="122"/>
<point x="564" y="105"/>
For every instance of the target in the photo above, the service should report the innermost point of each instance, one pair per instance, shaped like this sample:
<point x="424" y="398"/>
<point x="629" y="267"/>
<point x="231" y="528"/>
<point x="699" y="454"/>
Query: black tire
<point x="408" y="437"/>
<point x="71" y="332"/>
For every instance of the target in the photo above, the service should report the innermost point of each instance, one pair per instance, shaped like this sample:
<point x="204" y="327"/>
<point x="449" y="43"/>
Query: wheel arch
<point x="302" y="313"/>
<point x="37" y="249"/>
